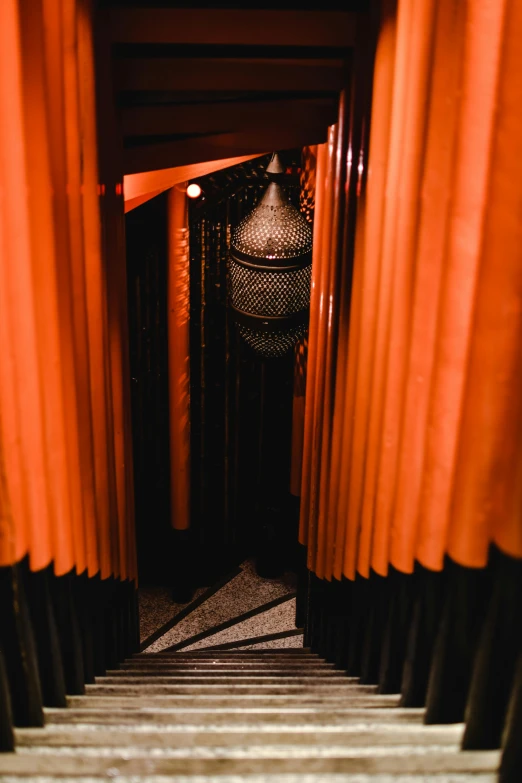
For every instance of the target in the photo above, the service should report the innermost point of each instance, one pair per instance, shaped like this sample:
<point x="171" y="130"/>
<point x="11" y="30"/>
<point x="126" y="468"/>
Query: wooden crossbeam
<point x="222" y="117"/>
<point x="231" y="27"/>
<point x="138" y="188"/>
<point x="208" y="148"/>
<point x="250" y="74"/>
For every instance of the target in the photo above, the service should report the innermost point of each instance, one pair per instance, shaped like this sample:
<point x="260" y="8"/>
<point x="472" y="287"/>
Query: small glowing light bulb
<point x="193" y="190"/>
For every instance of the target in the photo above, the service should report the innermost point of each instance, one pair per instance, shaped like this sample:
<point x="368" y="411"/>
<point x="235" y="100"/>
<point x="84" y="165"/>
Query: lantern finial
<point x="275" y="166"/>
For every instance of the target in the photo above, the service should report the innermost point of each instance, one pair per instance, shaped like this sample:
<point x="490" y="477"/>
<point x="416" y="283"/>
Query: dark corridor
<point x="240" y="404"/>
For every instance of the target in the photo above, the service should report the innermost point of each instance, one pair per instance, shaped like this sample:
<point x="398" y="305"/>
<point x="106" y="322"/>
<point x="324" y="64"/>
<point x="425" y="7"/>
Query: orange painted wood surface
<point x="421" y="458"/>
<point x="313" y="403"/>
<point x="139" y="188"/>
<point x="7" y="531"/>
<point x="339" y="176"/>
<point x="59" y="502"/>
<point x="488" y="474"/>
<point x="17" y="334"/>
<point x="60" y="106"/>
<point x="414" y="37"/>
<point x="439" y="162"/>
<point x="178" y="281"/>
<point x="120" y="535"/>
<point x="363" y="322"/>
<point x="468" y="205"/>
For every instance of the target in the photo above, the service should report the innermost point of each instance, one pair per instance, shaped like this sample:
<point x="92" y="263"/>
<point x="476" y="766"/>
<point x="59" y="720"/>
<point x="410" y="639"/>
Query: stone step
<point x="195" y="669"/>
<point x="218" y="687"/>
<point x="374" y="760"/>
<point x="213" y="655"/>
<point x="261" y="717"/>
<point x="476" y="777"/>
<point x="239" y="751"/>
<point x="209" y="666"/>
<point x="233" y="678"/>
<point x="357" y="735"/>
<point x="227" y="671"/>
<point x="208" y="660"/>
<point x="206" y="701"/>
<point x="269" y="652"/>
<point x="292" y="654"/>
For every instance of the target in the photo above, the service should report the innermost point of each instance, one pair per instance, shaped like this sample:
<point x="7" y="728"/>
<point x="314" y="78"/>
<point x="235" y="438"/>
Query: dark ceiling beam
<point x="181" y="153"/>
<point x="251" y="27"/>
<point x="252" y="74"/>
<point x="223" y="117"/>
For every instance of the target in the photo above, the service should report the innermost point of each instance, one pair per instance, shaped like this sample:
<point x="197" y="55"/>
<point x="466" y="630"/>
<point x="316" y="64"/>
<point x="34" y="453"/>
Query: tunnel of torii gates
<point x="407" y="444"/>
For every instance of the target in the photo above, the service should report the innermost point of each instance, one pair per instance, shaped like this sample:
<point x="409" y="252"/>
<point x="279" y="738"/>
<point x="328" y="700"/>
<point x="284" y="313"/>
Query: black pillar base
<point x="499" y="646"/>
<point x="397" y="624"/>
<point x="134" y="610"/>
<point x="462" y="618"/>
<point x="359" y="609"/>
<point x="377" y="606"/>
<point x="343" y="622"/>
<point x="82" y="601"/>
<point x="315" y="628"/>
<point x="68" y="632"/>
<point x="511" y="764"/>
<point x="6" y="716"/>
<point x="19" y="649"/>
<point x="301" y="604"/>
<point x="129" y="619"/>
<point x="110" y="623"/>
<point x="96" y="603"/>
<point x="182" y="576"/>
<point x="50" y="664"/>
<point x="426" y="616"/>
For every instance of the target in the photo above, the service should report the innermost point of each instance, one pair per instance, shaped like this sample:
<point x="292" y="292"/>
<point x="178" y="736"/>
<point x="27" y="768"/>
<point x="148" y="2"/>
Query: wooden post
<point x="6" y="717"/>
<point x="178" y="315"/>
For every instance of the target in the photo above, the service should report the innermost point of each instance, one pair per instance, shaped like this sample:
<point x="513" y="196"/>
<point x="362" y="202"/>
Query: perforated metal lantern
<point x="270" y="271"/>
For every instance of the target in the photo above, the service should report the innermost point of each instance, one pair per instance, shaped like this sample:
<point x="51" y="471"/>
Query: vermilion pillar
<point x="403" y="453"/>
<point x="469" y="202"/>
<point x="179" y="356"/>
<point x="486" y="503"/>
<point x="438" y="176"/>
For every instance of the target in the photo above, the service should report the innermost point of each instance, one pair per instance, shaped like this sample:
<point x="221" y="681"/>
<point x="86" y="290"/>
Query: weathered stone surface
<point x="237" y="719"/>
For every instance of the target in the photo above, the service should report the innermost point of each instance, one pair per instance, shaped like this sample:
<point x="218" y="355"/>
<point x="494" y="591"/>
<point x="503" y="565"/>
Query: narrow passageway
<point x="260" y="410"/>
<point x="266" y="710"/>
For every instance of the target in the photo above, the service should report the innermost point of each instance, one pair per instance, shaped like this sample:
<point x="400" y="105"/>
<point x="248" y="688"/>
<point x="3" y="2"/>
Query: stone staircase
<point x="228" y="716"/>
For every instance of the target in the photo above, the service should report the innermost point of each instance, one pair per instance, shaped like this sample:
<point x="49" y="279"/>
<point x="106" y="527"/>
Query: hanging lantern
<point x="270" y="271"/>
